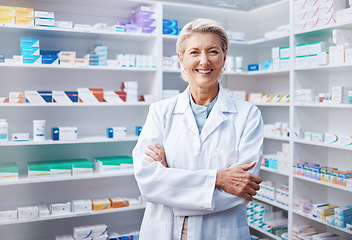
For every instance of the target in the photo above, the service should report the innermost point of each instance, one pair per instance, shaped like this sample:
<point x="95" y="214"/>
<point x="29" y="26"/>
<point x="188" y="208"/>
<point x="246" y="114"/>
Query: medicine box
<point x="81" y="167"/>
<point x="10" y="215"/>
<point x="30" y="212"/>
<point x="253" y="67"/>
<point x="99" y="230"/>
<point x="65" y="96"/>
<point x="18" y="137"/>
<point x="50" y="59"/>
<point x="60" y="168"/>
<point x="117" y="202"/>
<point x="24" y="12"/>
<point x="39" y="169"/>
<point x="24" y="21"/>
<point x="43" y="14"/>
<point x="105" y="164"/>
<point x="81" y="206"/>
<point x="32" y="59"/>
<point x="60" y="208"/>
<point x="7" y="11"/>
<point x="64" y="133"/>
<point x="116" y="132"/>
<point x="284" y="52"/>
<point x="29" y="42"/>
<point x="45" y="22"/>
<point x="90" y="95"/>
<point x="7" y="20"/>
<point x="83" y="232"/>
<point x="8" y="171"/>
<point x="38" y="96"/>
<point x="64" y="24"/>
<point x="101" y="204"/>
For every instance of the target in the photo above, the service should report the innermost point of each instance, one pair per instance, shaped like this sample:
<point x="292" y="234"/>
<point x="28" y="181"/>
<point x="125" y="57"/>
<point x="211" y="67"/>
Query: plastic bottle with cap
<point x="4" y="130"/>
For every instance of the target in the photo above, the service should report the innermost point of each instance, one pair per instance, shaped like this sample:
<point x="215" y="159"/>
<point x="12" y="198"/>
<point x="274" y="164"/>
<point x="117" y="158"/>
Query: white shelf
<point x="322" y="144"/>
<point x="325" y="29"/>
<point x="330" y="67"/>
<point x="89" y="33"/>
<point x="279" y="138"/>
<point x="73" y="215"/>
<point x="271" y="202"/>
<point x="96" y="139"/>
<point x="321" y="221"/>
<point x="26" y="180"/>
<point x="322" y="183"/>
<point x="273" y="104"/>
<point x="273" y="171"/>
<point x="90" y="67"/>
<point x="263" y="231"/>
<point x="99" y="104"/>
<point x="323" y="105"/>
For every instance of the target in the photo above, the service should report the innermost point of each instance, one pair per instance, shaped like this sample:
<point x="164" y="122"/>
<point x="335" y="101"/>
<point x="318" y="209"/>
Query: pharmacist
<point x="198" y="156"/>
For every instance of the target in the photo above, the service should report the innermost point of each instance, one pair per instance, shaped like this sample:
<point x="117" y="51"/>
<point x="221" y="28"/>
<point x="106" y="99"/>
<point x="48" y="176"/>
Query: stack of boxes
<point x="67" y="57"/>
<point x="98" y="56"/>
<point x="281" y="57"/>
<point x="144" y="17"/>
<point x="131" y="89"/>
<point x="340" y="94"/>
<point x="312" y="54"/>
<point x="8" y="171"/>
<point x="30" y="50"/>
<point x="311" y="15"/>
<point x="44" y="19"/>
<point x="170" y="27"/>
<point x="7" y="15"/>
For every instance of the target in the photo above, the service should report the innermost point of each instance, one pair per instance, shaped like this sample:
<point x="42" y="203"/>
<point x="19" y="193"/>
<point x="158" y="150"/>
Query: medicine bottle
<point x="4" y="130"/>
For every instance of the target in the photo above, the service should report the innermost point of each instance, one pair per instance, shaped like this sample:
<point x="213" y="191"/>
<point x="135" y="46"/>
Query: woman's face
<point x="203" y="59"/>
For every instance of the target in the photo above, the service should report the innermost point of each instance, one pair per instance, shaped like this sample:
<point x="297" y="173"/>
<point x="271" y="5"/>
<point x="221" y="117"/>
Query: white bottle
<point x="39" y="130"/>
<point x="4" y="130"/>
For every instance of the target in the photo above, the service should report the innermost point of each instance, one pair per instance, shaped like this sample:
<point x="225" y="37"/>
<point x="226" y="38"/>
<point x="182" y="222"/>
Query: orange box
<point x="6" y="11"/>
<point x="101" y="204"/>
<point x="7" y="20"/>
<point x="24" y="12"/>
<point x="117" y="202"/>
<point x="24" y="21"/>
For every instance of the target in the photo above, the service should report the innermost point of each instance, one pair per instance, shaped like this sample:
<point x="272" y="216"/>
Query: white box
<point x="82" y="232"/>
<point x="323" y="58"/>
<point x="17" y="137"/>
<point x="344" y="16"/>
<point x="317" y="47"/>
<point x="43" y="14"/>
<point x="99" y="230"/>
<point x="344" y="139"/>
<point x="337" y="54"/>
<point x="308" y="136"/>
<point x="81" y="206"/>
<point x="46" y="22"/>
<point x="301" y="49"/>
<point x="348" y="55"/>
<point x="43" y="210"/>
<point x="64" y="133"/>
<point x="60" y="208"/>
<point x="64" y="237"/>
<point x="275" y="52"/>
<point x="112" y="97"/>
<point x="317" y="137"/>
<point x="330" y="138"/>
<point x="27" y="212"/>
<point x="86" y="95"/>
<point x="341" y="36"/>
<point x="301" y="61"/>
<point x="312" y="60"/>
<point x="116" y="132"/>
<point x="10" y="215"/>
<point x="64" y="24"/>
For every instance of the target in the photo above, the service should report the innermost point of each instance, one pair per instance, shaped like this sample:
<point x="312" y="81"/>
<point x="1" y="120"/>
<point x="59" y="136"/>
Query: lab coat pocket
<point x="225" y="158"/>
<point x="234" y="233"/>
<point x="153" y="229"/>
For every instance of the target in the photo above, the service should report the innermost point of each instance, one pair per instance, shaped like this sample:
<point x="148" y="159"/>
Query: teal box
<point x="29" y="42"/>
<point x="34" y="51"/>
<point x="35" y="59"/>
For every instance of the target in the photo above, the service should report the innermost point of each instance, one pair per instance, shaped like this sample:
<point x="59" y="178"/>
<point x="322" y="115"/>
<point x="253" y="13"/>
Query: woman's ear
<point x="180" y="57"/>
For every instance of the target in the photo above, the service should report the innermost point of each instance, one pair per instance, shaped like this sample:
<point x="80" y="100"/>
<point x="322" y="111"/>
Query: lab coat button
<point x="195" y="145"/>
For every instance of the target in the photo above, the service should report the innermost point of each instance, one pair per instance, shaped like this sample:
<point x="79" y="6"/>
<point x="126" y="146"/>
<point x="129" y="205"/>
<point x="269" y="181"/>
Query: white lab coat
<point x="232" y="135"/>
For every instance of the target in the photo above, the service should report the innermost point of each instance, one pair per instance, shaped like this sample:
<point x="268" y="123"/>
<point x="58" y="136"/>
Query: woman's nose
<point x="203" y="59"/>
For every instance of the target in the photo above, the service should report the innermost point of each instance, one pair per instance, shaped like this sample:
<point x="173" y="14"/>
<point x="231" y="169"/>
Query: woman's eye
<point x="214" y="52"/>
<point x="194" y="52"/>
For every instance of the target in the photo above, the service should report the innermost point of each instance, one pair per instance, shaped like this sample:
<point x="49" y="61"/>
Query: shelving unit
<point x="92" y="119"/>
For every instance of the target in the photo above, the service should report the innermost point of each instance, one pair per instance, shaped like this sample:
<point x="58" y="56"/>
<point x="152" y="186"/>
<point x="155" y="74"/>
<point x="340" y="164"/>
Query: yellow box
<point x="101" y="204"/>
<point x="6" y="11"/>
<point x="24" y="21"/>
<point x="7" y="20"/>
<point x="24" y="12"/>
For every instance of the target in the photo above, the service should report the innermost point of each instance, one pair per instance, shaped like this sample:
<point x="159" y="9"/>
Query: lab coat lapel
<point x="184" y="109"/>
<point x="217" y="115"/>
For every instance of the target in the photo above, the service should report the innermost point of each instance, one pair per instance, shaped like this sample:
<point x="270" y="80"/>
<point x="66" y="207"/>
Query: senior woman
<point x="197" y="158"/>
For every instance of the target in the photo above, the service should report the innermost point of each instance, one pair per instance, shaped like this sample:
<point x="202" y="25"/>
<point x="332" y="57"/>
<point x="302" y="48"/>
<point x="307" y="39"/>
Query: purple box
<point x="148" y="29"/>
<point x="133" y="28"/>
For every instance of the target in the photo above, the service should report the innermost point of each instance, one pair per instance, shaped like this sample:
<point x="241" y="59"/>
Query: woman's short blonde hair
<point x="202" y="25"/>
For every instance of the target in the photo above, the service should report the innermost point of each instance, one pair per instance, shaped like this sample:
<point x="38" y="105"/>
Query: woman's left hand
<point x="156" y="154"/>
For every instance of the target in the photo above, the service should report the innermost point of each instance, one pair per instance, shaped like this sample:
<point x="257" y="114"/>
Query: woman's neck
<point x="203" y="96"/>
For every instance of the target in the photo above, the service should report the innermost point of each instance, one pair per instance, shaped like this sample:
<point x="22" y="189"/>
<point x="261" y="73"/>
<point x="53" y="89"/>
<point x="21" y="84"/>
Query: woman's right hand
<point x="237" y="181"/>
<point x="156" y="153"/>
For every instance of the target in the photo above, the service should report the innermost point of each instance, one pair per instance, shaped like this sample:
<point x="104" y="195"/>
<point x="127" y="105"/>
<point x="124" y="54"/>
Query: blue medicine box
<point x="50" y="59"/>
<point x="49" y="52"/>
<point x="253" y="67"/>
<point x="32" y="59"/>
<point x="170" y="31"/>
<point x="167" y="23"/>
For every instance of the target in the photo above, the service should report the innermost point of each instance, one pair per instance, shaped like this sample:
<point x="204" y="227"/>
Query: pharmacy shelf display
<point x="93" y="119"/>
